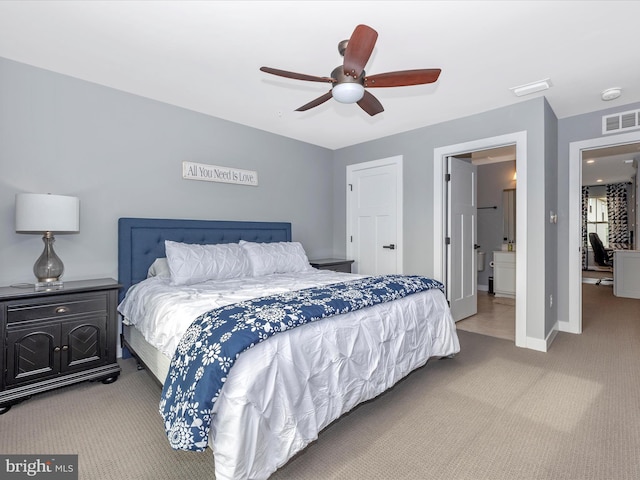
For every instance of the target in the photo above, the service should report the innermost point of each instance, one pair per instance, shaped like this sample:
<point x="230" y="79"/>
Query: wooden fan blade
<point x="316" y="102"/>
<point x="359" y="49"/>
<point x="296" y="76"/>
<point x="370" y="104"/>
<point x="402" y="78"/>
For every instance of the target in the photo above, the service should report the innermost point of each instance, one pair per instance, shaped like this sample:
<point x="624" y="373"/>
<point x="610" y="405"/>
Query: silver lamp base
<point x="48" y="286"/>
<point x="48" y="268"/>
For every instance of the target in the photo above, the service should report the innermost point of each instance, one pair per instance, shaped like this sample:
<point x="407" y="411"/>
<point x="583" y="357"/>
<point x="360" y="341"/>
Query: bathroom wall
<point x="493" y="178"/>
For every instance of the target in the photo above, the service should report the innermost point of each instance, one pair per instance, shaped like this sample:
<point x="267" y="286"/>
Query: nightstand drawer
<point x="59" y="309"/>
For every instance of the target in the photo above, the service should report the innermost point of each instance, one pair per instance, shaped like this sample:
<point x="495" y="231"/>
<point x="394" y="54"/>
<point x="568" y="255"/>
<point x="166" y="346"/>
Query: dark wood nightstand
<point x="335" y="264"/>
<point x="55" y="338"/>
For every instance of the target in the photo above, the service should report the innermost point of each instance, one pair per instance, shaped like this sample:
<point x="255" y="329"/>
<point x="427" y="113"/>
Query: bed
<point x="283" y="391"/>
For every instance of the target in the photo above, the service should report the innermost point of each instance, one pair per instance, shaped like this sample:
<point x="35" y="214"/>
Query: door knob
<point x="476" y="246"/>
<point x="390" y="247"/>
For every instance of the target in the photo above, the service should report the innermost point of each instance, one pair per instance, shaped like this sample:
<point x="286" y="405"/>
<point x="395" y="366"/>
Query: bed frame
<point x="141" y="241"/>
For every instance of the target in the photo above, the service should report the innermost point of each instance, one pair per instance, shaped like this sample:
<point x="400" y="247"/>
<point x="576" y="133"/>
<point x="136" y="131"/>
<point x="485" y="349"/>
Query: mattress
<point x="281" y="393"/>
<point x="156" y="362"/>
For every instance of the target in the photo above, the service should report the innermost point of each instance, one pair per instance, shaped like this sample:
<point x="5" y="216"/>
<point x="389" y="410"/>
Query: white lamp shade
<point x="348" y="92"/>
<point x="43" y="212"/>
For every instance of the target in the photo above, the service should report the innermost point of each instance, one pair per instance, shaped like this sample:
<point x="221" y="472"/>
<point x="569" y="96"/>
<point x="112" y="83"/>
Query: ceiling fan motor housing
<point x="341" y="77"/>
<point x="347" y="89"/>
<point x="342" y="46"/>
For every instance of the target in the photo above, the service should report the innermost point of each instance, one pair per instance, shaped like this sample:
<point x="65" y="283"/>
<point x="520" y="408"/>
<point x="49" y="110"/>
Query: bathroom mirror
<point x="509" y="215"/>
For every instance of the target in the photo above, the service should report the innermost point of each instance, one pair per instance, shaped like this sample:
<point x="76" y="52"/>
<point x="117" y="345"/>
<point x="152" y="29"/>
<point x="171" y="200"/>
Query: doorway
<point x="576" y="149"/>
<point x="576" y="152"/>
<point x="483" y="300"/>
<point x="497" y="244"/>
<point x="519" y="139"/>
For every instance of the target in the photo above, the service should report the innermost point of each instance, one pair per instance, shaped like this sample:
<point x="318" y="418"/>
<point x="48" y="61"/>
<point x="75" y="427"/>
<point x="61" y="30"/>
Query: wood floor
<point x="496" y="316"/>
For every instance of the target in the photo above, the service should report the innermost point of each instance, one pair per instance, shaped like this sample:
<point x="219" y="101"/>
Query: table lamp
<point x="47" y="214"/>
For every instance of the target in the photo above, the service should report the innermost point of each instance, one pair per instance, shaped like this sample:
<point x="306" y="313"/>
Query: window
<point x="598" y="218"/>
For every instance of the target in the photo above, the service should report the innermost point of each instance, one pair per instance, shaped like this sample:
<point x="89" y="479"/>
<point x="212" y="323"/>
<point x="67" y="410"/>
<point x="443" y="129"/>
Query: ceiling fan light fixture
<point x="348" y="92"/>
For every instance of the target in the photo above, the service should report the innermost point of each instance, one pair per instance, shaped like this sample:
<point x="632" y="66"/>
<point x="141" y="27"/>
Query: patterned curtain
<point x="585" y="240"/>
<point x="617" y="212"/>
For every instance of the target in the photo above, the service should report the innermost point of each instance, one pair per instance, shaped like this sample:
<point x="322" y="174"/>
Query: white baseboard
<point x="552" y="335"/>
<point x="565" y="326"/>
<point x="536" y="344"/>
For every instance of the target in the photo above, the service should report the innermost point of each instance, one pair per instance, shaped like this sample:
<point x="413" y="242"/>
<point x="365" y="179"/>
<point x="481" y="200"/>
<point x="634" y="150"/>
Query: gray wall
<point x="417" y="148"/>
<point x="573" y="129"/>
<point x="122" y="156"/>
<point x="493" y="178"/>
<point x="551" y="205"/>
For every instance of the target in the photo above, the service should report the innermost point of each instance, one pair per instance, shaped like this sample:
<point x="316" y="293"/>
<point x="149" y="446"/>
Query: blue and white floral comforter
<point x="212" y="344"/>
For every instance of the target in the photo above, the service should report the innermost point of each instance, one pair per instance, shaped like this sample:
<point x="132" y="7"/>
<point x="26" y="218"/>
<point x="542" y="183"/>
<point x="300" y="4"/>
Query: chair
<point x="600" y="255"/>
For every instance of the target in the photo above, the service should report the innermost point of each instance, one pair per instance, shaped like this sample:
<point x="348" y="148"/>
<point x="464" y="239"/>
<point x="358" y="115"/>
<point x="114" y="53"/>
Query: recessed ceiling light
<point x="611" y="93"/>
<point x="591" y="161"/>
<point x="530" y="88"/>
<point x="628" y="161"/>
<point x="599" y="180"/>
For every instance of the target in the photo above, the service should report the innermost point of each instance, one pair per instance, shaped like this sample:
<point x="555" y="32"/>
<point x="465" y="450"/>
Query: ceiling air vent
<point x="621" y="122"/>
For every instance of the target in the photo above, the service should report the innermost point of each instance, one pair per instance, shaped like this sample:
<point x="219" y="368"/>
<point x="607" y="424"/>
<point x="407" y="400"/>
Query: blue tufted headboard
<point x="141" y="240"/>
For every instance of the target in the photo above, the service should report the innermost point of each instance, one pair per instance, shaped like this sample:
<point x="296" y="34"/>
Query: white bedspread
<point x="163" y="312"/>
<point x="281" y="393"/>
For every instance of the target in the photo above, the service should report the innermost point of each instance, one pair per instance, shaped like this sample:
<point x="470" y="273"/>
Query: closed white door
<point x="462" y="234"/>
<point x="374" y="219"/>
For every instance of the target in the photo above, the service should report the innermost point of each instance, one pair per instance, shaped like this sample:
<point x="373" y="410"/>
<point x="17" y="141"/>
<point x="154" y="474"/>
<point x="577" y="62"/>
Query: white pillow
<point x="193" y="263"/>
<point x="276" y="257"/>
<point x="159" y="268"/>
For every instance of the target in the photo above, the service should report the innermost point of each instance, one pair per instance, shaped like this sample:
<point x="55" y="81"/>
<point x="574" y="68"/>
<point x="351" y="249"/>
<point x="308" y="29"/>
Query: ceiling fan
<point x="349" y="80"/>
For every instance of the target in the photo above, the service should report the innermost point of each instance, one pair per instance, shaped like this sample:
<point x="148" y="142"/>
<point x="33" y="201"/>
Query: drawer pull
<point x="56" y="349"/>
<point x="65" y="348"/>
<point x="62" y="310"/>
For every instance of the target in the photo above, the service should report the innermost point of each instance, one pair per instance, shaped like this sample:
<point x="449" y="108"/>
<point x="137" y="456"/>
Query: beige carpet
<point x="494" y="412"/>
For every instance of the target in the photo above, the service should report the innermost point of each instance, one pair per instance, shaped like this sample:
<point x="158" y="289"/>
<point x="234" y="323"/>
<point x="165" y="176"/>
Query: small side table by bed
<point x="335" y="264"/>
<point x="58" y="337"/>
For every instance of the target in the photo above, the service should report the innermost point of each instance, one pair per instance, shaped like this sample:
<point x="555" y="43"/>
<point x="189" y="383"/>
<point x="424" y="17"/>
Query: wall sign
<point x="213" y="173"/>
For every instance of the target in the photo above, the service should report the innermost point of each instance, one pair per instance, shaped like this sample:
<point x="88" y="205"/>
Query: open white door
<point x="462" y="272"/>
<point x="374" y="216"/>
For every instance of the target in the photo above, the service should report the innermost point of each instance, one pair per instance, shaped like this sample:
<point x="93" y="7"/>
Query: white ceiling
<point x="610" y="164"/>
<point x="205" y="56"/>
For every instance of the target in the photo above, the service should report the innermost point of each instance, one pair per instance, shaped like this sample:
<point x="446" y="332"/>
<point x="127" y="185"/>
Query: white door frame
<point x="397" y="161"/>
<point x="575" y="220"/>
<point x="439" y="214"/>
